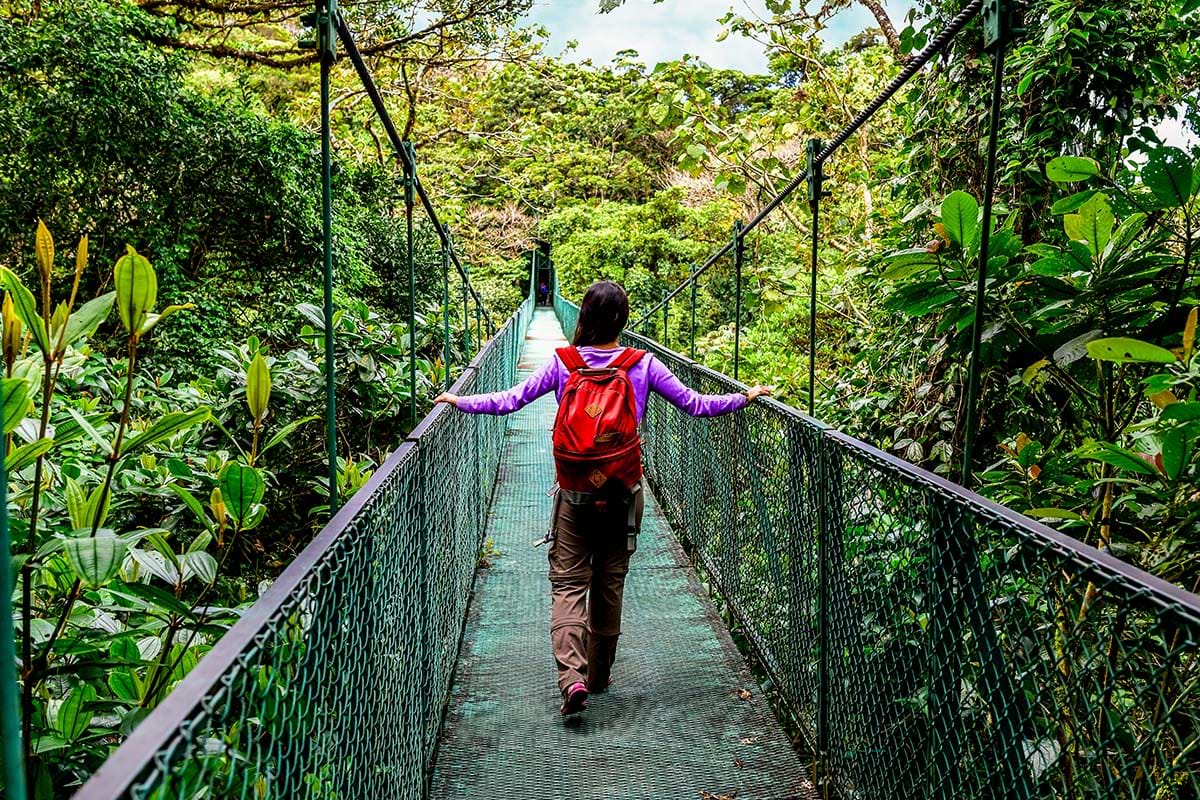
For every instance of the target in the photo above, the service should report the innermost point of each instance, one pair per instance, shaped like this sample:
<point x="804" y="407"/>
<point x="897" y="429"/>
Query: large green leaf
<point x="157" y="565"/>
<point x="165" y="428"/>
<point x="1176" y="447"/>
<point x="1125" y="235"/>
<point x="86" y="318"/>
<point x="77" y="504"/>
<point x="97" y="514"/>
<point x="191" y="502"/>
<point x="1070" y="352"/>
<point x="1168" y="174"/>
<point x="1125" y="350"/>
<point x="1072" y="202"/>
<point x="153" y="319"/>
<point x="21" y="457"/>
<point x="96" y="559"/>
<point x="1120" y="458"/>
<point x="285" y="432"/>
<point x="1052" y="513"/>
<point x="241" y="487"/>
<point x="1181" y="412"/>
<point x="124" y="685"/>
<point x="1092" y="224"/>
<point x="14" y="403"/>
<point x="1069" y="169"/>
<point x="960" y="217"/>
<point x="136" y="287"/>
<point x="91" y="432"/>
<point x="904" y="263"/>
<point x="74" y="715"/>
<point x="25" y="307"/>
<point x="199" y="564"/>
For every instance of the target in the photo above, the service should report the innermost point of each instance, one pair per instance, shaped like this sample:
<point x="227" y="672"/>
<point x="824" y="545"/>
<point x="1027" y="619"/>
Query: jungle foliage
<point x="160" y="472"/>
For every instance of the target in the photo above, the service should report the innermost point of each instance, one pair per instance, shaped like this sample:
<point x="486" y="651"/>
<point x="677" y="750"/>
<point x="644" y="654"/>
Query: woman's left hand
<point x="756" y="392"/>
<point x="446" y="397"/>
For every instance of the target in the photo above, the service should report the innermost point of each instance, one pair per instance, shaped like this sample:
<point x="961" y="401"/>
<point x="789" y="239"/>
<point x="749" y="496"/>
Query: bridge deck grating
<point x="675" y="725"/>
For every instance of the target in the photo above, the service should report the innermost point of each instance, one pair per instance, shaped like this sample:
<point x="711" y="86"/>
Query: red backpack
<point x="596" y="444"/>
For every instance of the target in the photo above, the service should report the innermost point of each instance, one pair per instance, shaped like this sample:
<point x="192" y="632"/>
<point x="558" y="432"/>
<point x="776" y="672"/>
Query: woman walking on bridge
<point x="601" y="388"/>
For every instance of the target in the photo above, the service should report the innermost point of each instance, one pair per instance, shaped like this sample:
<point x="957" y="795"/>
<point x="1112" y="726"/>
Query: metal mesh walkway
<point x="677" y="722"/>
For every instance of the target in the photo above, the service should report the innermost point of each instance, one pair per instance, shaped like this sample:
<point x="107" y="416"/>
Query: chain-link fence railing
<point x="929" y="643"/>
<point x="333" y="684"/>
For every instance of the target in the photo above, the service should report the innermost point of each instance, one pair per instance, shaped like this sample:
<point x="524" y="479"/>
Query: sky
<point x="665" y="31"/>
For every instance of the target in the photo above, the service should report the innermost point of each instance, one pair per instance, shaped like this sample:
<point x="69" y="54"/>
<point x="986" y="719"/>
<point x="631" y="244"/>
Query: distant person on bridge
<point x="543" y="294"/>
<point x="601" y="388"/>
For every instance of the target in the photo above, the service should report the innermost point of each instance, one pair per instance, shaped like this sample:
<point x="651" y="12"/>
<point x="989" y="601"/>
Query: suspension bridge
<point x="806" y="616"/>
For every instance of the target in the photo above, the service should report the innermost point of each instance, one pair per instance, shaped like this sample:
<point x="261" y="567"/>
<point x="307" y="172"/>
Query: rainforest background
<point x="185" y="130"/>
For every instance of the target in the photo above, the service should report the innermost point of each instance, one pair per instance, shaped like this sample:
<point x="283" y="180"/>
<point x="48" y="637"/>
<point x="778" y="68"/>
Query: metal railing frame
<point x="1144" y="590"/>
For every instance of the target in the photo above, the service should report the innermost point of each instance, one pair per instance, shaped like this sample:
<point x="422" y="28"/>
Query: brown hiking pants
<point x="589" y="558"/>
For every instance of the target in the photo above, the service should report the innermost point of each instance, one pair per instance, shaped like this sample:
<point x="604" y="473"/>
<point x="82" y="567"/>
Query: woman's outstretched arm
<point x="689" y="401"/>
<point x="509" y="400"/>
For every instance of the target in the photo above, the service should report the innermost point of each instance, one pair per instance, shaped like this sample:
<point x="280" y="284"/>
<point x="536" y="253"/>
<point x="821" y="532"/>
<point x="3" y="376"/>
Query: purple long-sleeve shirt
<point x="648" y="374"/>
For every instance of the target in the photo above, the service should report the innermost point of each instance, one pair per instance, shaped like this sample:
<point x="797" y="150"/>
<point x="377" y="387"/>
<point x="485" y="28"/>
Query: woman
<point x="589" y="549"/>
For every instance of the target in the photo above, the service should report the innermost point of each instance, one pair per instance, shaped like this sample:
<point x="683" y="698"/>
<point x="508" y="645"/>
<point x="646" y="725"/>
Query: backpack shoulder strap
<point x="627" y="358"/>
<point x="570" y="358"/>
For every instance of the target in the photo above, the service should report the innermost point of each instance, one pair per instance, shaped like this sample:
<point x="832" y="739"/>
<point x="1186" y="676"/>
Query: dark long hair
<point x="602" y="315"/>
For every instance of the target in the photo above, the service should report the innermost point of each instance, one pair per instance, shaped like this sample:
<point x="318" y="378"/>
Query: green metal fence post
<point x="327" y="45"/>
<point x="815" y="193"/>
<point x="466" y="320"/>
<point x="945" y="662"/>
<point x="997" y="30"/>
<point x="692" y="323"/>
<point x="830" y="532"/>
<point x="424" y="550"/>
<point x="10" y="714"/>
<point x="738" y="254"/>
<point x="410" y="183"/>
<point x="446" y="304"/>
<point x="666" y="332"/>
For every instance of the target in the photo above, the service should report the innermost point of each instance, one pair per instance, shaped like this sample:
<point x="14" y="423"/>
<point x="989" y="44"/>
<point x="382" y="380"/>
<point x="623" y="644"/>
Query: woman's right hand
<point x="756" y="392"/>
<point x="446" y="397"/>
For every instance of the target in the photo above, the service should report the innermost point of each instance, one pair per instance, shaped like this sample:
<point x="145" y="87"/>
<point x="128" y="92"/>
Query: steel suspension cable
<point x="372" y="90"/>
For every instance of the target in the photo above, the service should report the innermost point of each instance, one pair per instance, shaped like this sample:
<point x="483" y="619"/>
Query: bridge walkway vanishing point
<point x="684" y="718"/>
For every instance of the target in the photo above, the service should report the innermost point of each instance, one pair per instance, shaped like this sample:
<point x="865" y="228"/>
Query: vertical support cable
<point x="10" y="714"/>
<point x="327" y="44"/>
<point x="466" y="320"/>
<point x="815" y="193"/>
<point x="666" y="334"/>
<point x="410" y="181"/>
<point x="997" y="26"/>
<point x="738" y="254"/>
<point x="692" y="323"/>
<point x="446" y="303"/>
